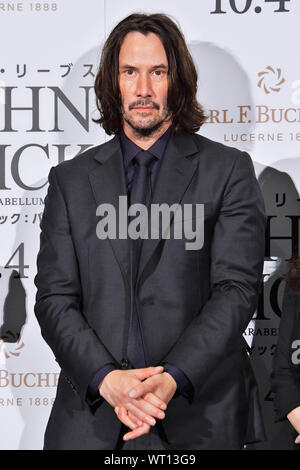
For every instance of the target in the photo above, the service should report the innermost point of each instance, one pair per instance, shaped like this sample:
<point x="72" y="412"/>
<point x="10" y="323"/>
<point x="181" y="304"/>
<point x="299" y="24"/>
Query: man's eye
<point x="158" y="72"/>
<point x="129" y="72"/>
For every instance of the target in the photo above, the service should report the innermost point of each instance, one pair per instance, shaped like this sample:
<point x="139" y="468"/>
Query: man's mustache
<point x="143" y="103"/>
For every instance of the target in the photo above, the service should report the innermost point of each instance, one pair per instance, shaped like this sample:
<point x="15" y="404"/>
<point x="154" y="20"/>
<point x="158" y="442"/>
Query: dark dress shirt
<point x="129" y="151"/>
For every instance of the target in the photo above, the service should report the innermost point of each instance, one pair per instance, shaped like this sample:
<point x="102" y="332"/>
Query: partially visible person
<point x="285" y="377"/>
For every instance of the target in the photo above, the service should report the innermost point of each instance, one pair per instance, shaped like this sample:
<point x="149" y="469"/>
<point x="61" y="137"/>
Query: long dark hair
<point x="293" y="274"/>
<point x="187" y="113"/>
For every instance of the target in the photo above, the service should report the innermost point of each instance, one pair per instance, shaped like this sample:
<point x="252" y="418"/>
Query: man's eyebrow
<point x="160" y="66"/>
<point x="128" y="66"/>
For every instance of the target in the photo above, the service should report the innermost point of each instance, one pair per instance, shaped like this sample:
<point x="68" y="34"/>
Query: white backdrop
<point x="248" y="66"/>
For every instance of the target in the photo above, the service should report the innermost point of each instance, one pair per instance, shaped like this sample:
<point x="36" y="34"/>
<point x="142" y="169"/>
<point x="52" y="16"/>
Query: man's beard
<point x="155" y="125"/>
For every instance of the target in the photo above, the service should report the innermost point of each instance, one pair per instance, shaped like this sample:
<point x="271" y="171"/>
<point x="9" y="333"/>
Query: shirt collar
<point x="130" y="149"/>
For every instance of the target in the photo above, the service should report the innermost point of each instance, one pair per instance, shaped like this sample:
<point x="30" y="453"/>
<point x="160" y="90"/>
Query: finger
<point x="144" y="429"/>
<point x="147" y="388"/>
<point x="147" y="419"/>
<point x="124" y="418"/>
<point x="131" y="417"/>
<point x="152" y="398"/>
<point x="297" y="440"/>
<point x="122" y="415"/>
<point x="134" y="418"/>
<point x="139" y="390"/>
<point x="145" y="411"/>
<point x="147" y="372"/>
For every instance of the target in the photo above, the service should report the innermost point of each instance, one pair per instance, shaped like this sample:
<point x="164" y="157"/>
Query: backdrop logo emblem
<point x="9" y="348"/>
<point x="270" y="79"/>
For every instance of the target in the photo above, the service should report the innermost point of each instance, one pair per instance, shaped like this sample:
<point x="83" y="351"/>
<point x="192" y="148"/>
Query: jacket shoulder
<point x="218" y="150"/>
<point x="222" y="158"/>
<point x="84" y="162"/>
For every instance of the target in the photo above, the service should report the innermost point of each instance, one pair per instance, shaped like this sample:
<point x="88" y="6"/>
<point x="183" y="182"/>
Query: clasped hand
<point x="153" y="390"/>
<point x="294" y="418"/>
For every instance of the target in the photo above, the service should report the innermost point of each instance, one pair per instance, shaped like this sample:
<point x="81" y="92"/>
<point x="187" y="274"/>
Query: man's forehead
<point x="144" y="48"/>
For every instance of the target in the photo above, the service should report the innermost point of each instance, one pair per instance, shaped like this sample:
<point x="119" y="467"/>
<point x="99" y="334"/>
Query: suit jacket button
<point x="124" y="363"/>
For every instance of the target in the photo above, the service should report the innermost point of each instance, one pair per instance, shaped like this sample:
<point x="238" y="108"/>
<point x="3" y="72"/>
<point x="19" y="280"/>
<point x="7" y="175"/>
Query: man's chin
<point x="145" y="130"/>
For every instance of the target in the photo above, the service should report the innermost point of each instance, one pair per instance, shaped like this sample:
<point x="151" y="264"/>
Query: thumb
<point x="148" y="372"/>
<point x="297" y="440"/>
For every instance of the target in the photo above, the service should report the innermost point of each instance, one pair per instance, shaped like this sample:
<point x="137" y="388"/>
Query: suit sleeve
<point x="77" y="348"/>
<point x="284" y="383"/>
<point x="184" y="386"/>
<point x="92" y="391"/>
<point x="237" y="256"/>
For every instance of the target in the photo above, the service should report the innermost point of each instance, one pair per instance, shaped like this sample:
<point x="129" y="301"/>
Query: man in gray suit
<point x="150" y="316"/>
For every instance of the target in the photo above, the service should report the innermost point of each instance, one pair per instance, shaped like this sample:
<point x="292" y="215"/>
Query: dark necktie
<point x="140" y="193"/>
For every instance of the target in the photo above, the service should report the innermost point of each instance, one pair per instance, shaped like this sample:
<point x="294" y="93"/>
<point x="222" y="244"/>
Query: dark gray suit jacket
<point x="209" y="295"/>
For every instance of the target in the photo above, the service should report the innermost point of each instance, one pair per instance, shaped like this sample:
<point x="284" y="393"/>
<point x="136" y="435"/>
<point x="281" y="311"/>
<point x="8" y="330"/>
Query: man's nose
<point x="144" y="86"/>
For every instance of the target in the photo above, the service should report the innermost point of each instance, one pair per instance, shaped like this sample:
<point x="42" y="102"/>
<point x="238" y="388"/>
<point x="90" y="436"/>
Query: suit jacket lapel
<point x="108" y="183"/>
